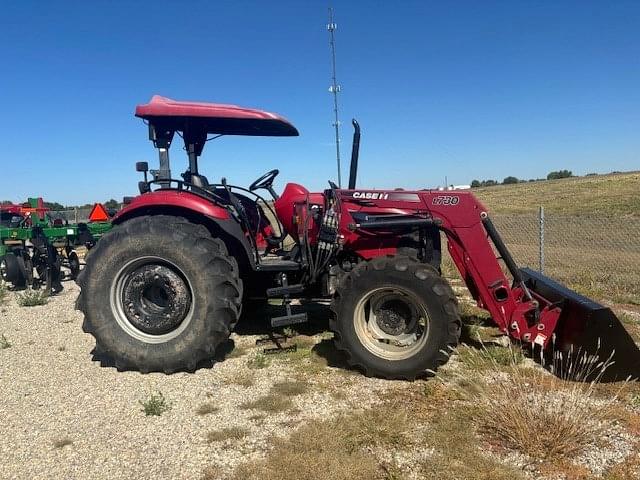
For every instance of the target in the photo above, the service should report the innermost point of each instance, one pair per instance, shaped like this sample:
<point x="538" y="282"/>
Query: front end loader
<point x="165" y="287"/>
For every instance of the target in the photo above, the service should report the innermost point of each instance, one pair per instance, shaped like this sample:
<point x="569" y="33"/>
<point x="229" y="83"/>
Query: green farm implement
<point x="39" y="251"/>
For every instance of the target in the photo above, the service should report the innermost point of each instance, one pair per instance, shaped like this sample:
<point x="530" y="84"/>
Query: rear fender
<point x="197" y="210"/>
<point x="172" y="198"/>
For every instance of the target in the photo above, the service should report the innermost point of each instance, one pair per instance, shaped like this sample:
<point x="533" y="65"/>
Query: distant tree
<point x="475" y="183"/>
<point x="488" y="183"/>
<point x="55" y="206"/>
<point x="6" y="202"/>
<point x="112" y="204"/>
<point x="509" y="180"/>
<point x="559" y="174"/>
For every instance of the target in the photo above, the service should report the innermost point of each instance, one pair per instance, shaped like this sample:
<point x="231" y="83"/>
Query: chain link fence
<point x="595" y="255"/>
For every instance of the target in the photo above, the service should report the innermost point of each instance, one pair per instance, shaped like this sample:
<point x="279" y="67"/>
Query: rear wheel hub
<point x="151" y="300"/>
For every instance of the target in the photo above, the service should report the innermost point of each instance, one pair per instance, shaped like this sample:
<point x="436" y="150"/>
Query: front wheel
<point x="159" y="294"/>
<point x="395" y="318"/>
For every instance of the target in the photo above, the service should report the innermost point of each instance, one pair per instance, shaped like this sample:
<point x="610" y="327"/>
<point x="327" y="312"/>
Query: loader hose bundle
<point x="327" y="241"/>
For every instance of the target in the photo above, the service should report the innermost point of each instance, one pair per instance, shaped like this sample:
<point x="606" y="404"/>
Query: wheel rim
<point x="391" y="322"/>
<point x="151" y="299"/>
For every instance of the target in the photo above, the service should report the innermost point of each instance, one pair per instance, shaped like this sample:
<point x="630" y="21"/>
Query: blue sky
<point x="462" y="89"/>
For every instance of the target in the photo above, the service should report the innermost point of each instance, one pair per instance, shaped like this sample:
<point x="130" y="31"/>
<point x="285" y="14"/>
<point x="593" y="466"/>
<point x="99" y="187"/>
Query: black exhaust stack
<point x="355" y="152"/>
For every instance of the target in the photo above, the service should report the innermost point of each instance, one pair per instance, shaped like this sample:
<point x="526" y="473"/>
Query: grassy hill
<point x="608" y="195"/>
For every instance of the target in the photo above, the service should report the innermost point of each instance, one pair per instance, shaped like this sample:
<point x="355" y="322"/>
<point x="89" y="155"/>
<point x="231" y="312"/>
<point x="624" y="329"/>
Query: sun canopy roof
<point x="214" y="118"/>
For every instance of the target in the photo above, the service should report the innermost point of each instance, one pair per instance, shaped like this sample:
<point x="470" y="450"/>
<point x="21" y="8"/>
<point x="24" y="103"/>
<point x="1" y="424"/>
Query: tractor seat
<point x="199" y="181"/>
<point x="256" y="216"/>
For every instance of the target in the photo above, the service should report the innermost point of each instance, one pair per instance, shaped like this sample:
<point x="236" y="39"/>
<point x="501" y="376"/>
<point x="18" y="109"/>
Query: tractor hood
<point x="214" y="118"/>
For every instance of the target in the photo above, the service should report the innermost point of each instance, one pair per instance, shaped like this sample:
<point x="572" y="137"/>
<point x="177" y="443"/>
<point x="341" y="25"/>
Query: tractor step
<point x="288" y="320"/>
<point x="277" y="264"/>
<point x="284" y="290"/>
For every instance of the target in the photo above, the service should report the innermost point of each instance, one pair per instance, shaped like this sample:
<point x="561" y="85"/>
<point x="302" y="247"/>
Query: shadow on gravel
<point x="335" y="358"/>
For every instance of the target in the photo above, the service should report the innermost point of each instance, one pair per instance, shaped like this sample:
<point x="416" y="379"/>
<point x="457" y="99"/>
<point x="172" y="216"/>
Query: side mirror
<point x="142" y="167"/>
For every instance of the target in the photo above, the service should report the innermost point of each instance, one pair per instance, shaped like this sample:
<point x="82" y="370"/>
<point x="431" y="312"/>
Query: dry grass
<point x="207" y="408"/>
<point x="213" y="473"/>
<point x="627" y="470"/>
<point x="244" y="379"/>
<point x="489" y="357"/>
<point x="515" y="409"/>
<point x="290" y="388"/>
<point x="238" y="351"/>
<point x="62" y="442"/>
<point x="258" y="361"/>
<point x="4" y="343"/>
<point x="515" y="403"/>
<point x="269" y="403"/>
<point x="305" y="360"/>
<point x="457" y="454"/>
<point x="362" y="445"/>
<point x="230" y="433"/>
<point x="608" y="195"/>
<point x="336" y="449"/>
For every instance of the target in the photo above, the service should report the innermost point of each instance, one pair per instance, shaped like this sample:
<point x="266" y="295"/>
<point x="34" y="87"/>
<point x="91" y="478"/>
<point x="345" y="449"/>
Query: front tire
<point x="159" y="294"/>
<point x="395" y="318"/>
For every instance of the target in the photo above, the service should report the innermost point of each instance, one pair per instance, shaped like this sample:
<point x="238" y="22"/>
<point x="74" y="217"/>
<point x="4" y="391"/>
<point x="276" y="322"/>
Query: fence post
<point x="541" y="238"/>
<point x="75" y="215"/>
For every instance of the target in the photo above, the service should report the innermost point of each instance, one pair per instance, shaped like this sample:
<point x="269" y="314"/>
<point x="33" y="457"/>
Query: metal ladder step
<point x="284" y="290"/>
<point x="289" y="319"/>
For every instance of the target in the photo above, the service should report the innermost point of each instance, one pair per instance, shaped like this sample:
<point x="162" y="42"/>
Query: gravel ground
<point x="54" y="393"/>
<point x="65" y="416"/>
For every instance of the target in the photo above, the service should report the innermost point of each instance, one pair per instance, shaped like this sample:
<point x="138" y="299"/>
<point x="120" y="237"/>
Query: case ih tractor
<point x="165" y="287"/>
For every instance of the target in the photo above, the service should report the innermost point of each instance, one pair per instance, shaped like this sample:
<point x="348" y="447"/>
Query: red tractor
<point x="165" y="287"/>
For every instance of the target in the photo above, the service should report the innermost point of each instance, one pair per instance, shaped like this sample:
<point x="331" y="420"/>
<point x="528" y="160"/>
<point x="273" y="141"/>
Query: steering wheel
<point x="266" y="181"/>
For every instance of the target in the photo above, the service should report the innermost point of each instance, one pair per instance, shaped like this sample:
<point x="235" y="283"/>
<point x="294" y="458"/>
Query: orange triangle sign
<point x="98" y="214"/>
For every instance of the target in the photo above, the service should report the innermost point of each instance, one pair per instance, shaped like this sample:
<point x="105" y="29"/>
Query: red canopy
<point x="215" y="118"/>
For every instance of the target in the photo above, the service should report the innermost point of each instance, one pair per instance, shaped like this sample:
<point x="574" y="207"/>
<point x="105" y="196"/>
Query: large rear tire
<point x="159" y="293"/>
<point x="395" y="318"/>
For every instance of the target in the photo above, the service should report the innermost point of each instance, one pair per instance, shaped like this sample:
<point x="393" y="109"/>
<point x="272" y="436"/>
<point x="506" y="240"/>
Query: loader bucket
<point x="588" y="327"/>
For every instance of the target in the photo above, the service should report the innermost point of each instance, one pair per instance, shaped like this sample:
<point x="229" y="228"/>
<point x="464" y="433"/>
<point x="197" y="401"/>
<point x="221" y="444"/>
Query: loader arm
<point x="475" y="248"/>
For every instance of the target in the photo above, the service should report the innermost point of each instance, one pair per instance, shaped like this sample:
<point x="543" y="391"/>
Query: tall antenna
<point x="334" y="88"/>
